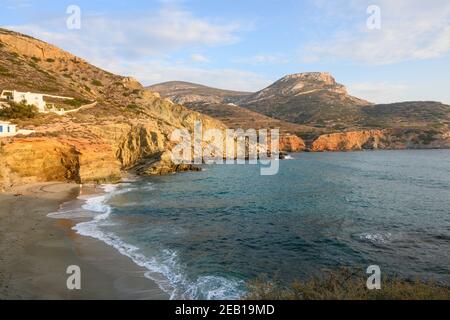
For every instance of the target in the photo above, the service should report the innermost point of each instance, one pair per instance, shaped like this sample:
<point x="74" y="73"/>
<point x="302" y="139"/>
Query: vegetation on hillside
<point x="346" y="284"/>
<point x="18" y="111"/>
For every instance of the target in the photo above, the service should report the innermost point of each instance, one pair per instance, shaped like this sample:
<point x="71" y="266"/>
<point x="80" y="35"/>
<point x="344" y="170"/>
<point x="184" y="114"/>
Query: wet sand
<point x="35" y="252"/>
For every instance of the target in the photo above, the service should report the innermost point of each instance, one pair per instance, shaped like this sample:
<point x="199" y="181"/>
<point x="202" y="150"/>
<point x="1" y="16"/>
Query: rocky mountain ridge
<point x="314" y="106"/>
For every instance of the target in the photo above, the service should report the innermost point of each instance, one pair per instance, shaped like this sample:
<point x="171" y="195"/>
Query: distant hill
<point x="221" y="104"/>
<point x="185" y="92"/>
<point x="313" y="100"/>
<point x="316" y="99"/>
<point x="407" y="114"/>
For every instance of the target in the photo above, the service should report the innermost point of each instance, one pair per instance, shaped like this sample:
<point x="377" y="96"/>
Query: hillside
<point x="186" y="92"/>
<point x="314" y="98"/>
<point x="220" y="104"/>
<point x="129" y="127"/>
<point x="316" y="108"/>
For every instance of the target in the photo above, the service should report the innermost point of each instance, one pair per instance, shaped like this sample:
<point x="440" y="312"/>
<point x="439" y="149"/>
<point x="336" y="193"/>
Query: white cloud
<point x="168" y="30"/>
<point x="156" y="71"/>
<point x="197" y="57"/>
<point x="410" y="30"/>
<point x="141" y="46"/>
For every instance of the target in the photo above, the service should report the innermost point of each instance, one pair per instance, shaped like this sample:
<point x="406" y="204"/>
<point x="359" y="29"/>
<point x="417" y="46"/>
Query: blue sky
<point x="248" y="44"/>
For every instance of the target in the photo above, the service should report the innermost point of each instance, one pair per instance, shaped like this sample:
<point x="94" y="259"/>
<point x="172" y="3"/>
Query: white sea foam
<point x="289" y="157"/>
<point x="376" y="238"/>
<point x="163" y="268"/>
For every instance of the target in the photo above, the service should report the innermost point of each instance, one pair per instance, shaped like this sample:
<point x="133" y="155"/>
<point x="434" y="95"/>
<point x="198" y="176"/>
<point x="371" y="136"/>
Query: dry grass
<point x="345" y="284"/>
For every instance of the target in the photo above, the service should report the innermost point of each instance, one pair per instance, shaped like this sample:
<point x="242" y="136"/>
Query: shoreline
<point x="35" y="251"/>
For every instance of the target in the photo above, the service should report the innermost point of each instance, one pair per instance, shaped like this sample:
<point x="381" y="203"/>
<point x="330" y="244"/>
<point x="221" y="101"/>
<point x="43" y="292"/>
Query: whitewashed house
<point x="35" y="99"/>
<point x="7" y="129"/>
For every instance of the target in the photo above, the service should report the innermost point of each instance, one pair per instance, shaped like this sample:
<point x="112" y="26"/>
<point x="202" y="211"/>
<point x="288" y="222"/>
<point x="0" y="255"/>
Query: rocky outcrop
<point x="348" y="141"/>
<point x="48" y="159"/>
<point x="291" y="143"/>
<point x="143" y="147"/>
<point x="31" y="47"/>
<point x="394" y="139"/>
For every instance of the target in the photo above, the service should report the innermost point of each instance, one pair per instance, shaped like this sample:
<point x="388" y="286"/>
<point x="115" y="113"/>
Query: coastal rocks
<point x="349" y="141"/>
<point x="35" y="160"/>
<point x="162" y="164"/>
<point x="292" y="143"/>
<point x="109" y="148"/>
<point x="47" y="159"/>
<point x="391" y="139"/>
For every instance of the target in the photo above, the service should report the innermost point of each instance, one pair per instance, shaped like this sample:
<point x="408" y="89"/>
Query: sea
<point x="205" y="235"/>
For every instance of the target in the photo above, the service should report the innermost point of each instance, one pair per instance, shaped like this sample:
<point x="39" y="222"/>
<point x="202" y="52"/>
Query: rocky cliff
<point x="130" y="127"/>
<point x="292" y="143"/>
<point x="382" y="139"/>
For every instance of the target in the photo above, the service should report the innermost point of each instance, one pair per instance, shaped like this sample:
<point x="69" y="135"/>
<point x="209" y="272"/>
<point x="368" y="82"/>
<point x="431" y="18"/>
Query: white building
<point x="35" y="99"/>
<point x="7" y="129"/>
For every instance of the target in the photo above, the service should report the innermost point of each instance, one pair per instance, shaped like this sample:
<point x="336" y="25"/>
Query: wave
<point x="289" y="157"/>
<point x="163" y="268"/>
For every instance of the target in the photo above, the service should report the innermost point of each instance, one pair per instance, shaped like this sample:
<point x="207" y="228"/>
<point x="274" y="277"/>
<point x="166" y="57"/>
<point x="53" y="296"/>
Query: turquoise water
<point x="202" y="235"/>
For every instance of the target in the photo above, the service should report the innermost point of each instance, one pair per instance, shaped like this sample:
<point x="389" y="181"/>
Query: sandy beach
<point x="35" y="252"/>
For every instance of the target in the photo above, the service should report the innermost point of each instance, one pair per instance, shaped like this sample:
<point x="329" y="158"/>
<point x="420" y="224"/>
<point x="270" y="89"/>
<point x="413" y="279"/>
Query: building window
<point x="1" y="129"/>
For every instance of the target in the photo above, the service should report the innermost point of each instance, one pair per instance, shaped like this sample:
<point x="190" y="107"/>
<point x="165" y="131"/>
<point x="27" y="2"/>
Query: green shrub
<point x="50" y="60"/>
<point x="76" y="102"/>
<point x="345" y="284"/>
<point x="428" y="136"/>
<point x="35" y="59"/>
<point x="132" y="106"/>
<point x="19" y="111"/>
<point x="97" y="83"/>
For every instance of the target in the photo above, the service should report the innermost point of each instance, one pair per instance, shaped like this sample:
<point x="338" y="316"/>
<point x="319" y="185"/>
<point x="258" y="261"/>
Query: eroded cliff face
<point x="393" y="139"/>
<point x="109" y="149"/>
<point x="291" y="143"/>
<point x="348" y="141"/>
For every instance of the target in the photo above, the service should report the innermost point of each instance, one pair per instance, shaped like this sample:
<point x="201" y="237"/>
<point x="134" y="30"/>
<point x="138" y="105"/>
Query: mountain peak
<point x="301" y="84"/>
<point x="324" y="77"/>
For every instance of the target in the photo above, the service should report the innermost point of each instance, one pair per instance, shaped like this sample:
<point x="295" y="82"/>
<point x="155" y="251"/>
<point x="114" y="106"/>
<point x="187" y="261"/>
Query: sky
<point x="382" y="50"/>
